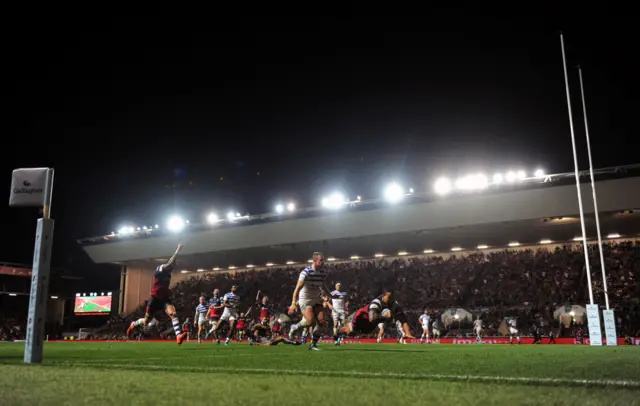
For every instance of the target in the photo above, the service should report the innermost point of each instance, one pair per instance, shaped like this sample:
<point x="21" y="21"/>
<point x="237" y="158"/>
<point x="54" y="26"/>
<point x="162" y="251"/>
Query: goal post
<point x="32" y="187"/>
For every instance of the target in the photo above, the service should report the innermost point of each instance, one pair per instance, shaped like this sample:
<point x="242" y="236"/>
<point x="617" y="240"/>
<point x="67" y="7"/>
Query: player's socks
<point x="176" y="326"/>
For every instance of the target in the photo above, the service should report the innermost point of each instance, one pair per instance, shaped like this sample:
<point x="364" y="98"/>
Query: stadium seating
<point x="529" y="284"/>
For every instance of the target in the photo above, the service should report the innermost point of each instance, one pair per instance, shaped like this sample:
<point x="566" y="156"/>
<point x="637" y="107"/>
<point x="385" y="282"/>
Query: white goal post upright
<point x="608" y="314"/>
<point x="33" y="187"/>
<point x="593" y="313"/>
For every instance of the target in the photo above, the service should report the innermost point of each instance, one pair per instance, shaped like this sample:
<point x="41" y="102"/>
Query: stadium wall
<point x="454" y="211"/>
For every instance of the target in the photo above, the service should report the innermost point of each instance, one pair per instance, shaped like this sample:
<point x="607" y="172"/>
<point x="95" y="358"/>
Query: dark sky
<point x="251" y="110"/>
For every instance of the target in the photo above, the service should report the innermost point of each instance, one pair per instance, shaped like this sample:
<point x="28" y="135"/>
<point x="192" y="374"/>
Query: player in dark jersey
<point x="264" y="306"/>
<point x="215" y="310"/>
<point x="160" y="298"/>
<point x="381" y="309"/>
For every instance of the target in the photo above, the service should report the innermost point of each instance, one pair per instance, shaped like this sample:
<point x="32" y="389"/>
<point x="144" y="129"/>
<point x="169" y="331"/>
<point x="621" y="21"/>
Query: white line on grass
<point x="358" y="374"/>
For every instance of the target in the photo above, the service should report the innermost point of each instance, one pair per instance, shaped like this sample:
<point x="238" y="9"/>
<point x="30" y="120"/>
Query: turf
<point x="354" y="374"/>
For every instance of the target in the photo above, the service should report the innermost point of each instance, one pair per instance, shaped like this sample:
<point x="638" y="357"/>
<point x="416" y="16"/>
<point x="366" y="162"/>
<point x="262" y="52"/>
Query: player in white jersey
<point x="200" y="317"/>
<point x="231" y="302"/>
<point x="307" y="295"/>
<point x="435" y="328"/>
<point x="424" y="320"/>
<point x="477" y="328"/>
<point x="513" y="331"/>
<point x="402" y="336"/>
<point x="338" y="311"/>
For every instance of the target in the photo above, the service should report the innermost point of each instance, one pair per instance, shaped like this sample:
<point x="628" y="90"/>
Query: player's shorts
<point x="201" y="318"/>
<point x="338" y="316"/>
<point x="513" y="331"/>
<point x="436" y="332"/>
<point x="425" y="327"/>
<point x="307" y="303"/>
<point x="478" y="330"/>
<point x="380" y="326"/>
<point x="361" y="322"/>
<point x="155" y="304"/>
<point x="239" y="329"/>
<point x="229" y="314"/>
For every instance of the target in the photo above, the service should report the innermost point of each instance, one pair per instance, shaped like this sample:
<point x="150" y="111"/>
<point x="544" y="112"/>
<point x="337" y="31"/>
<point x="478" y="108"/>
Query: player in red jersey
<point x="160" y="298"/>
<point x="264" y="306"/>
<point x="381" y="309"/>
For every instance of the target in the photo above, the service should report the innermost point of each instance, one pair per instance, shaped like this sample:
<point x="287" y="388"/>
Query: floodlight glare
<point x="539" y="173"/>
<point x="230" y="215"/>
<point x="212" y="218"/>
<point x="511" y="176"/>
<point x="498" y="178"/>
<point x="334" y="201"/>
<point x="394" y="193"/>
<point x="175" y="224"/>
<point x="291" y="207"/>
<point x="442" y="186"/>
<point x="472" y="182"/>
<point x="522" y="175"/>
<point x="279" y="208"/>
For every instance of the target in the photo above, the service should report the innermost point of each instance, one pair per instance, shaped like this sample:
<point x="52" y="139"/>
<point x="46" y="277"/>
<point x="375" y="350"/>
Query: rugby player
<point x="230" y="301"/>
<point x="160" y="298"/>
<point x="264" y="306"/>
<point x="477" y="328"/>
<point x="513" y="331"/>
<point x="423" y="320"/>
<point x="339" y="305"/>
<point x="273" y="341"/>
<point x="241" y="324"/>
<point x="436" y="331"/>
<point x="215" y="310"/>
<point x="307" y="296"/>
<point x="200" y="317"/>
<point x="380" y="310"/>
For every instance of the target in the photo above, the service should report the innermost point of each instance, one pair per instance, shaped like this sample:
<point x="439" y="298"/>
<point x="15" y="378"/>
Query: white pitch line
<point x="357" y="374"/>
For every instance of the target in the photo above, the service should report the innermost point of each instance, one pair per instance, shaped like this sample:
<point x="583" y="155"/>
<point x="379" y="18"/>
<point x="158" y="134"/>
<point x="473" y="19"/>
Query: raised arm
<point x="172" y="260"/>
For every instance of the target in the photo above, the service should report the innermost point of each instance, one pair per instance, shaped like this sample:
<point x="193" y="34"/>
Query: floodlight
<point x="175" y="224"/>
<point x="212" y="218"/>
<point x="394" y="193"/>
<point x="442" y="186"/>
<point x="334" y="201"/>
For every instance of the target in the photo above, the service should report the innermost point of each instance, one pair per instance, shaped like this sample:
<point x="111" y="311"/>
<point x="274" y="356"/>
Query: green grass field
<point x="354" y="374"/>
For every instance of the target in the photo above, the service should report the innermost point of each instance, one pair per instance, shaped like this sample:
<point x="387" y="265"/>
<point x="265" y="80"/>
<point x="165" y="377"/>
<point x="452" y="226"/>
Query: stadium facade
<point x="495" y="219"/>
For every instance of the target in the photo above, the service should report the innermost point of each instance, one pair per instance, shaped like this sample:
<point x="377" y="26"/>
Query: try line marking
<point x="607" y="383"/>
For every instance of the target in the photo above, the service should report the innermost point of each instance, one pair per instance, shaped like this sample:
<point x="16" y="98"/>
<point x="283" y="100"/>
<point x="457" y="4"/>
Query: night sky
<point x="143" y="117"/>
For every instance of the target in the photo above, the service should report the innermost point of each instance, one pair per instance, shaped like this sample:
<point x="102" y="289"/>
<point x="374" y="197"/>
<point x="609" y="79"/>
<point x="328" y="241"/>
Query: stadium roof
<point x="495" y="219"/>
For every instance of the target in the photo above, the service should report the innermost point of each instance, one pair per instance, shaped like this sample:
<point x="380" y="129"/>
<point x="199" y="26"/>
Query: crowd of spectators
<point x="529" y="284"/>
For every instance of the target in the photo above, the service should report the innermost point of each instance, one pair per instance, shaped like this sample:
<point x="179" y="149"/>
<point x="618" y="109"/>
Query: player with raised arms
<point x="381" y="309"/>
<point x="307" y="295"/>
<point x="160" y="298"/>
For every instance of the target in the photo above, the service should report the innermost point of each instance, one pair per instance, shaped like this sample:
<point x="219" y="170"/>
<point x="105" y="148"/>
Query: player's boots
<point x="181" y="338"/>
<point x="131" y="328"/>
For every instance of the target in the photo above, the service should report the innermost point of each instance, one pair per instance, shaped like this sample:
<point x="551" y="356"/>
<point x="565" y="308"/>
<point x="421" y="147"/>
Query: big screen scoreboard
<point x="93" y="304"/>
